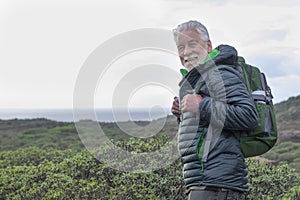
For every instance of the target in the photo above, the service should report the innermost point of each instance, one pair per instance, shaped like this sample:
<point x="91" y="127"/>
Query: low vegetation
<point x="43" y="159"/>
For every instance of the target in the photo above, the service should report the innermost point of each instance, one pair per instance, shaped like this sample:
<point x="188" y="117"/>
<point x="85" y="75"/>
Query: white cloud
<point x="44" y="43"/>
<point x="284" y="87"/>
<point x="140" y="79"/>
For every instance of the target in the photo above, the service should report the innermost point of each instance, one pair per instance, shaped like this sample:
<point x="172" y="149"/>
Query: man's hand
<point x="175" y="108"/>
<point x="190" y="102"/>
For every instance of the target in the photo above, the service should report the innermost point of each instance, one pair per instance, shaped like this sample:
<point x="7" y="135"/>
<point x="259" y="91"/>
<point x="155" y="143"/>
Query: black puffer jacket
<point x="226" y="107"/>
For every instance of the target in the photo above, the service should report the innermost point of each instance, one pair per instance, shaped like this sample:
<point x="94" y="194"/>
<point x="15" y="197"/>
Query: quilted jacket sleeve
<point x="228" y="104"/>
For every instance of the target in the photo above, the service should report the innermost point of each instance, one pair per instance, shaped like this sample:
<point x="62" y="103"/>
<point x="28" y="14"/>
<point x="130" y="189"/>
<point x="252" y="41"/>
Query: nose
<point x="187" y="50"/>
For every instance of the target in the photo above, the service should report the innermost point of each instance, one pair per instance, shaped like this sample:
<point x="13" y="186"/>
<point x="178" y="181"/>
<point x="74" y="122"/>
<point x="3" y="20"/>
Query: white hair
<point x="192" y="25"/>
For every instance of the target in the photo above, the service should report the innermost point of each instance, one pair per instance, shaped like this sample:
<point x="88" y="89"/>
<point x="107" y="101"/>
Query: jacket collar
<point x="221" y="55"/>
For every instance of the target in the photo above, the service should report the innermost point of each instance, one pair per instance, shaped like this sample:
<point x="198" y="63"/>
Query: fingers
<point x="176" y="102"/>
<point x="190" y="102"/>
<point x="185" y="103"/>
<point x="176" y="113"/>
<point x="175" y="107"/>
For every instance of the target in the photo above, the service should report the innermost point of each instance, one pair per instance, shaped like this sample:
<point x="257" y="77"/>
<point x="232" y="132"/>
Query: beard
<point x="192" y="60"/>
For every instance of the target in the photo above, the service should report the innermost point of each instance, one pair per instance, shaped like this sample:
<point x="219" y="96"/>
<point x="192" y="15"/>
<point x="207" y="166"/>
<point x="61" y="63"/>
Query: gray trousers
<point x="215" y="195"/>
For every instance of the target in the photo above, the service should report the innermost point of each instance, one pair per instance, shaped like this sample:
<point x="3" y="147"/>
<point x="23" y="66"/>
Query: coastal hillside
<point x="44" y="159"/>
<point x="288" y="119"/>
<point x="287" y="149"/>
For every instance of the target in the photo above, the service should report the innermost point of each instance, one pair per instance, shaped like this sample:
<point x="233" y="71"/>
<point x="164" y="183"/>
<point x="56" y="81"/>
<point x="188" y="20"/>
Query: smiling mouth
<point x="190" y="59"/>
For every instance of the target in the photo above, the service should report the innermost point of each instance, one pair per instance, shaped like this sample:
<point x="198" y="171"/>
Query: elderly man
<point x="213" y="104"/>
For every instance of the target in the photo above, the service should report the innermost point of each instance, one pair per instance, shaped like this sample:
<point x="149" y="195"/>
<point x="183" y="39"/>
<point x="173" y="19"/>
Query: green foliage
<point x="143" y="144"/>
<point x="286" y="152"/>
<point x="293" y="193"/>
<point x="33" y="156"/>
<point x="270" y="182"/>
<point x="63" y="170"/>
<point x="288" y="109"/>
<point x="61" y="137"/>
<point x="287" y="149"/>
<point x="81" y="176"/>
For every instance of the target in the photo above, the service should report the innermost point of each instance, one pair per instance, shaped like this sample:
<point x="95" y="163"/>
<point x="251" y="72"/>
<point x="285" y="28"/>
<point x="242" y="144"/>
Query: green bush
<point x="81" y="176"/>
<point x="293" y="193"/>
<point x="45" y="160"/>
<point x="33" y="156"/>
<point x="270" y="182"/>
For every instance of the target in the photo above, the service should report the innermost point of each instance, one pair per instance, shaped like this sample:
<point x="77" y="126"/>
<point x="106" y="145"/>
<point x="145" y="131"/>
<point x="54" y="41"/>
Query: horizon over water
<point x="102" y="114"/>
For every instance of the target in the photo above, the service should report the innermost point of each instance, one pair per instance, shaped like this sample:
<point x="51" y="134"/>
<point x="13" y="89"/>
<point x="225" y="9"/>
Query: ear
<point x="209" y="46"/>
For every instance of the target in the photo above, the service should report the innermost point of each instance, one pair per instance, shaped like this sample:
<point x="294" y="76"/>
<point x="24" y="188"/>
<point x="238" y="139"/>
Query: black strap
<point x="263" y="81"/>
<point x="250" y="75"/>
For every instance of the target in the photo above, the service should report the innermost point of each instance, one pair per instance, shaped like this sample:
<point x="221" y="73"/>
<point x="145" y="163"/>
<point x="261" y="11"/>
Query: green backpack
<point x="264" y="136"/>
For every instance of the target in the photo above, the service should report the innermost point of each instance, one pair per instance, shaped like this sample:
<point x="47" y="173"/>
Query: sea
<point x="101" y="115"/>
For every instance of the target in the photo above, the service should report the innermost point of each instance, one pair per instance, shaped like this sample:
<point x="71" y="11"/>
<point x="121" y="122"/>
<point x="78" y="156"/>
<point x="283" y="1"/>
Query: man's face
<point x="191" y="48"/>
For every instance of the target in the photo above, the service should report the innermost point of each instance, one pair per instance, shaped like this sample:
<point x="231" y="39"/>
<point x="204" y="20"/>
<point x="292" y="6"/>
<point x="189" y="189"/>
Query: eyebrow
<point x="190" y="41"/>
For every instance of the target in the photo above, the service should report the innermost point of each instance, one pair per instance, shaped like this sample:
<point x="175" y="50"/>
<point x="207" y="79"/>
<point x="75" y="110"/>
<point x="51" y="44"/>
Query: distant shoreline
<point x="101" y="115"/>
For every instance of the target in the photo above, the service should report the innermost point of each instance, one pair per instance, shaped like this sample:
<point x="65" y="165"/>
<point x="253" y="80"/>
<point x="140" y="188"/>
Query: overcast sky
<point x="44" y="44"/>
